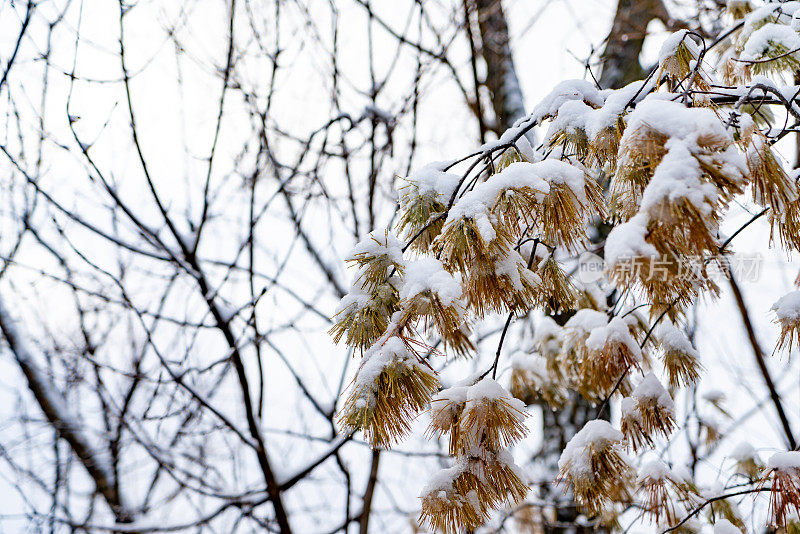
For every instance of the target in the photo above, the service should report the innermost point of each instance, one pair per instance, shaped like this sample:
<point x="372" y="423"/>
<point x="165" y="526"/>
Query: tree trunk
<point x="624" y="43"/>
<point x="501" y="75"/>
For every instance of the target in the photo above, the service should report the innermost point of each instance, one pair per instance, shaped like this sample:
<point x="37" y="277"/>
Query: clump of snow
<point x="677" y="177"/>
<point x="629" y="409"/>
<point x="382" y="354"/>
<point x="651" y="391"/>
<point x="673" y="339"/>
<point x="489" y="389"/>
<point x="785" y="461"/>
<point x="565" y="91"/>
<point x="615" y="104"/>
<point x="585" y="320"/>
<point x="533" y="363"/>
<point x="547" y="336"/>
<point x="433" y="180"/>
<point x="577" y="455"/>
<point x="572" y="117"/>
<point x="761" y="16"/>
<point x="670" y="46"/>
<point x="428" y="274"/>
<point x="770" y="12"/>
<point x="766" y="39"/>
<point x="512" y="266"/>
<point x="743" y="452"/>
<point x="556" y="171"/>
<point x="675" y="120"/>
<point x="356" y="299"/>
<point x="653" y="470"/>
<point x="451" y="396"/>
<point x="787" y="308"/>
<point x="616" y="331"/>
<point x="627" y="240"/>
<point x="441" y="483"/>
<point x="382" y="244"/>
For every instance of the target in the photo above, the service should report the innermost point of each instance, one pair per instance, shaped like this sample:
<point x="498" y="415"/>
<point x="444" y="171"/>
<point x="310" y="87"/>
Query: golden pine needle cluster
<point x="663" y="492"/>
<point x="748" y="462"/>
<point x="481" y="420"/>
<point x="446" y="318"/>
<point x="737" y="9"/>
<point x="391" y="388"/>
<point x="679" y="62"/>
<point x="563" y="213"/>
<point x="596" y="466"/>
<point x="506" y="284"/>
<point x="464" y="496"/>
<point x="680" y="359"/>
<point x="533" y="380"/>
<point x="771" y="185"/>
<point x="363" y="314"/>
<point x="784" y="476"/>
<point x="612" y="350"/>
<point x="647" y="413"/>
<point x="787" y="315"/>
<point x="772" y="49"/>
<point x="423" y="205"/>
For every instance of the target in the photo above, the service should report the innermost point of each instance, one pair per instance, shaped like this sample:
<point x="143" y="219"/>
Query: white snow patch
<point x="428" y="274"/>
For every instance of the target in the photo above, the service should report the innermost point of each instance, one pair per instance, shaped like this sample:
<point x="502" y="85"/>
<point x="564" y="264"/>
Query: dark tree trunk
<point x="501" y="76"/>
<point x="624" y="43"/>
